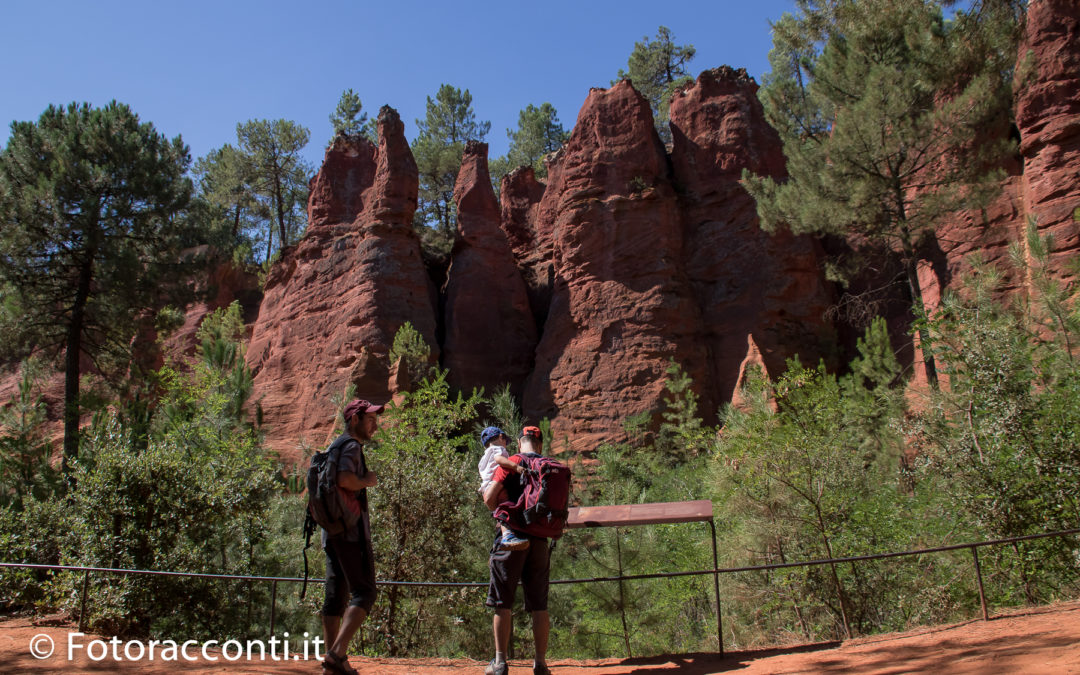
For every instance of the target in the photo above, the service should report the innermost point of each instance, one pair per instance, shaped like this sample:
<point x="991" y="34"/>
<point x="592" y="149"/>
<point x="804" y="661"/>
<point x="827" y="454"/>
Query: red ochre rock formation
<point x="520" y="195"/>
<point x="334" y="301"/>
<point x="490" y="331"/>
<point x="659" y="258"/>
<point x="1048" y="117"/>
<point x="621" y="307"/>
<point x="745" y="281"/>
<point x="629" y="257"/>
<point x="1044" y="180"/>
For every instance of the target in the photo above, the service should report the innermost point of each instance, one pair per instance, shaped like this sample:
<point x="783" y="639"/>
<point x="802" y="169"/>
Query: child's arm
<point x="505" y="463"/>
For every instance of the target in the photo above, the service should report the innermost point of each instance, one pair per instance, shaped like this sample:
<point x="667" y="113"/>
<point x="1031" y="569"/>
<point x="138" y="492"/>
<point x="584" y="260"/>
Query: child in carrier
<point x="495" y="455"/>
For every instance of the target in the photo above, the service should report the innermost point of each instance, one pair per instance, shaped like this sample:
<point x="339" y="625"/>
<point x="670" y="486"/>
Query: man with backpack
<point x="350" y="563"/>
<point x="531" y="565"/>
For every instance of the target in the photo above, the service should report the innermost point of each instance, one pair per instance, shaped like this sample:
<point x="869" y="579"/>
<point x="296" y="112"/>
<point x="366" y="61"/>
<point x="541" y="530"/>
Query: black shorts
<point x="350" y="571"/>
<point x="531" y="567"/>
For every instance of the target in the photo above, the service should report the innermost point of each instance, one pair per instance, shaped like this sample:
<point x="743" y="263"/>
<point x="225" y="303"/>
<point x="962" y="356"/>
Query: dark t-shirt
<point x="352" y="460"/>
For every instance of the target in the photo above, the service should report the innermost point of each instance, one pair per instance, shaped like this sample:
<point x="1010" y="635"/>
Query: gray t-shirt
<point x="352" y="460"/>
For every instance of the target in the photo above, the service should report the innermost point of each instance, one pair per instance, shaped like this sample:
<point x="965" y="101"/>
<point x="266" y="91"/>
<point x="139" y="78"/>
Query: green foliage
<point x="682" y="435"/>
<point x="277" y="177"/>
<point x="208" y="406"/>
<point x="25" y="471"/>
<point x="1006" y="433"/>
<point x="657" y="68"/>
<point x="226" y="202"/>
<point x="507" y="414"/>
<point x="539" y="134"/>
<point x="1053" y="311"/>
<point x="424" y="515"/>
<point x="89" y="199"/>
<point x="192" y="497"/>
<point x="635" y="618"/>
<point x="170" y="507"/>
<point x="37" y="534"/>
<point x="449" y="122"/>
<point x="413" y="353"/>
<point x="168" y="319"/>
<point x="878" y="104"/>
<point x="812" y="470"/>
<point x="348" y="120"/>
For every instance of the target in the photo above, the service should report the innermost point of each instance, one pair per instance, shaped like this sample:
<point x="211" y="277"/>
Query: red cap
<point x="361" y="406"/>
<point x="532" y="432"/>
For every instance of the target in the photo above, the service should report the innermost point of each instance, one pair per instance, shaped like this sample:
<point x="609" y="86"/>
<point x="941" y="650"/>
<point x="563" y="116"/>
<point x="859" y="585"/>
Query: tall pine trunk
<point x="71" y="364"/>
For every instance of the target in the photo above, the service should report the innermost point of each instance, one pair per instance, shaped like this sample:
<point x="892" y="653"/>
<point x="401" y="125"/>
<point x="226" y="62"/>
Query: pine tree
<point x="278" y="175"/>
<point x="657" y="68"/>
<point x="89" y="198"/>
<point x="539" y="133"/>
<point x="878" y="104"/>
<point x="347" y="119"/>
<point x="449" y="123"/>
<point x="223" y="181"/>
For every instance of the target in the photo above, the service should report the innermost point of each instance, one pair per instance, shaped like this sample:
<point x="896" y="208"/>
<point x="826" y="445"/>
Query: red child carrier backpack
<point x="544" y="504"/>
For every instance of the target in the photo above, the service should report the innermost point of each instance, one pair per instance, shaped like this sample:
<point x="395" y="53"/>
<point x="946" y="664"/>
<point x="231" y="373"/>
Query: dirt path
<point x="1035" y="641"/>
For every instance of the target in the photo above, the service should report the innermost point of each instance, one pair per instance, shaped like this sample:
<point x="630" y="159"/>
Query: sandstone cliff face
<point x="1044" y="179"/>
<point x="490" y="331"/>
<point x="1048" y="117"/>
<point x="621" y="306"/>
<point x="334" y="301"/>
<point x="760" y="296"/>
<point x="520" y="195"/>
<point x="626" y="259"/>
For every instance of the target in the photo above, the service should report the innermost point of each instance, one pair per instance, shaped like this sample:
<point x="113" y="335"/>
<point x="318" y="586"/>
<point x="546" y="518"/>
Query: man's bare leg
<point x="330" y="626"/>
<point x="501" y="624"/>
<point x="350" y="623"/>
<point x="541" y="625"/>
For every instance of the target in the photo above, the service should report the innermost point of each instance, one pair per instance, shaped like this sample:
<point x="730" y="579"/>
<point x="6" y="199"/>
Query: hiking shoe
<point x="540" y="670"/>
<point x="512" y="542"/>
<point x="497" y="668"/>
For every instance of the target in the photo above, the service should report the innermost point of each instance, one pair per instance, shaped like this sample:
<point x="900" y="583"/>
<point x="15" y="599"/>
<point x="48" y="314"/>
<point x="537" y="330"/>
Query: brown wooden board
<point x="622" y="515"/>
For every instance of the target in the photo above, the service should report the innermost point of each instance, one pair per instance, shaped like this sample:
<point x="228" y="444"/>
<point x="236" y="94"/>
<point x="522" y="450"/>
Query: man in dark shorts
<point x="350" y="561"/>
<point x="531" y="566"/>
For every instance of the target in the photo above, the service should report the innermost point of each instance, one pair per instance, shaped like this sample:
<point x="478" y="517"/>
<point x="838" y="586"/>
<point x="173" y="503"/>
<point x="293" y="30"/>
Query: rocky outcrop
<point x="621" y="308"/>
<point x="224" y="284"/>
<point x="335" y="300"/>
<point x="337" y="191"/>
<point x="1043" y="180"/>
<point x="628" y="258"/>
<point x="744" y="280"/>
<point x="490" y="331"/>
<point x="519" y="196"/>
<point x="1048" y="118"/>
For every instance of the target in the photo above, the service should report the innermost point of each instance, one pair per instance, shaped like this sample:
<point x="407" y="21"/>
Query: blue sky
<point x="196" y="68"/>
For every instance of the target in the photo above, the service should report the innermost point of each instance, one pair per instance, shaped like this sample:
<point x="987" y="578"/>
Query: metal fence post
<point x="716" y="589"/>
<point x="273" y="606"/>
<point x="82" y="603"/>
<point x="978" y="577"/>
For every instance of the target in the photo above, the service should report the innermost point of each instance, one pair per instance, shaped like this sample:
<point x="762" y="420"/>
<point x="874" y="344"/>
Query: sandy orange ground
<point x="1039" y="640"/>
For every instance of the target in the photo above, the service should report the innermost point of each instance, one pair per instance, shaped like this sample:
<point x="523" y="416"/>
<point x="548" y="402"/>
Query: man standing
<point x="531" y="566"/>
<point x="350" y="561"/>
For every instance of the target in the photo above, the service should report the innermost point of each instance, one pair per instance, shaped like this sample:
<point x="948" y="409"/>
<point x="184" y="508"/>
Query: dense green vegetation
<point x="172" y="474"/>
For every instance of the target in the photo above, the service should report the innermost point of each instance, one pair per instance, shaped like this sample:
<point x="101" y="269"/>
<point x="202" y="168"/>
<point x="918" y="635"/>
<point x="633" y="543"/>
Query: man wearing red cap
<point x="350" y="561"/>
<point x="532" y="566"/>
